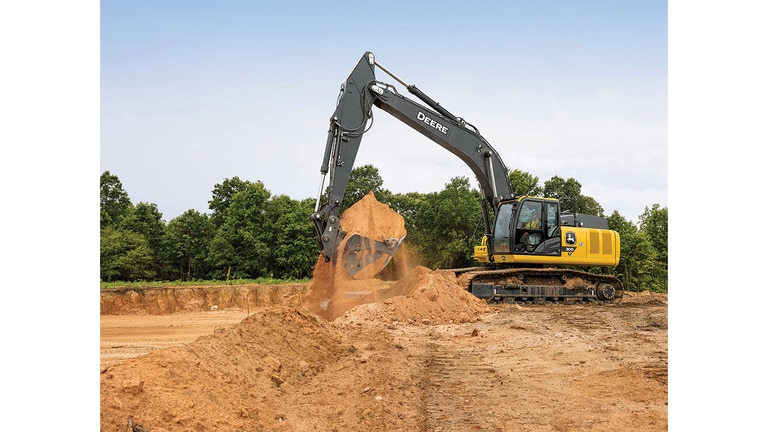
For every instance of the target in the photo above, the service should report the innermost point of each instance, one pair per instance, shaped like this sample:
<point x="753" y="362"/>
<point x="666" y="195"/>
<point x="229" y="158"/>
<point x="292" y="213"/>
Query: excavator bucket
<point x="364" y="257"/>
<point x="374" y="233"/>
<point x="371" y="233"/>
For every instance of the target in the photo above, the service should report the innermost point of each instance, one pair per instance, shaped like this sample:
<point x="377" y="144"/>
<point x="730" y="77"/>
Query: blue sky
<point x="194" y="92"/>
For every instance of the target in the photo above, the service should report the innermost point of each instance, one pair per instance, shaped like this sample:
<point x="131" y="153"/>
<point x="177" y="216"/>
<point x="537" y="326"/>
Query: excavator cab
<point x="527" y="225"/>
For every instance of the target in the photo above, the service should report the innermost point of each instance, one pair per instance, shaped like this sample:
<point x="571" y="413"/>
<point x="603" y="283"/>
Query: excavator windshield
<point x="502" y="230"/>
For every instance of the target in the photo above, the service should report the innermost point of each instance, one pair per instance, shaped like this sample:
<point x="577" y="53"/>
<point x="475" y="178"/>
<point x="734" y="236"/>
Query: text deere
<point x="422" y="117"/>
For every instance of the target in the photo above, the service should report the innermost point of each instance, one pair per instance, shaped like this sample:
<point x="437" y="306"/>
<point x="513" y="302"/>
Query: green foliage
<point x="643" y="265"/>
<point x="408" y="206"/>
<point x="240" y="247"/>
<point x="445" y="222"/>
<point x="654" y="222"/>
<point x="567" y="191"/>
<point x="146" y="219"/>
<point x="571" y="199"/>
<point x="222" y="198"/>
<point x="125" y="256"/>
<point x="186" y="244"/>
<point x="114" y="200"/>
<point x="294" y="246"/>
<point x="131" y="236"/>
<point x="524" y="183"/>
<point x="588" y="205"/>
<point x="252" y="235"/>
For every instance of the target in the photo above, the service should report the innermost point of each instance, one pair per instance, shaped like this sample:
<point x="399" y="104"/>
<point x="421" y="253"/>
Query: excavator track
<point x="540" y="285"/>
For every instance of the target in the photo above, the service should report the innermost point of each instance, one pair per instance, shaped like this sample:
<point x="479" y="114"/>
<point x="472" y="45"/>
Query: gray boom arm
<point x="358" y="94"/>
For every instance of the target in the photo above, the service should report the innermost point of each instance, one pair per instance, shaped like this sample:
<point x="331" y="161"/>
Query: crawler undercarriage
<point x="545" y="285"/>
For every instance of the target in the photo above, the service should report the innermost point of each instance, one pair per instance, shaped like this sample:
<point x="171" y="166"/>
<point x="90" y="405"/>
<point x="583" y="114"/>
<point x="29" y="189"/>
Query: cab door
<point x="537" y="227"/>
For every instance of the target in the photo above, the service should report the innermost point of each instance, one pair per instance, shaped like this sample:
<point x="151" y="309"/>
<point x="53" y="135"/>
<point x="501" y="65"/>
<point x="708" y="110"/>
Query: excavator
<point x="530" y="251"/>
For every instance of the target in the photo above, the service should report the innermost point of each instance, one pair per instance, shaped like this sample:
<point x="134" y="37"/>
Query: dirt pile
<point x="423" y="296"/>
<point x="240" y="378"/>
<point x="232" y="380"/>
<point x="407" y="363"/>
<point x="333" y="290"/>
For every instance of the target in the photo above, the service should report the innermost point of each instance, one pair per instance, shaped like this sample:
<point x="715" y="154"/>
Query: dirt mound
<point x="242" y="377"/>
<point x="333" y="291"/>
<point x="390" y="365"/>
<point x="423" y="296"/>
<point x="230" y="380"/>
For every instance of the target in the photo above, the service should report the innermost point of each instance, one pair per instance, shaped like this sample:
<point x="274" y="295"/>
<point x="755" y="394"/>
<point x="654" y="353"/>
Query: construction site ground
<point x="413" y="351"/>
<point x="435" y="359"/>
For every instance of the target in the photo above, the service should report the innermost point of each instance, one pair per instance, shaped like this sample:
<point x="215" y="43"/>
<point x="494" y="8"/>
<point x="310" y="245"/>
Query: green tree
<point x="523" y="183"/>
<point x="637" y="262"/>
<point x="292" y="238"/>
<point x="590" y="206"/>
<point x="115" y="203"/>
<point x="642" y="264"/>
<point x="187" y="239"/>
<point x="567" y="191"/>
<point x="571" y="199"/>
<point x="240" y="246"/>
<point x="654" y="223"/>
<point x="222" y="195"/>
<point x="447" y="223"/>
<point x="131" y="240"/>
<point x="408" y="206"/>
<point x="125" y="256"/>
<point x="146" y="219"/>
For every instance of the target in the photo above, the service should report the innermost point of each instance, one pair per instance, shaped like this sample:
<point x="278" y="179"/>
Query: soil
<point x="416" y="354"/>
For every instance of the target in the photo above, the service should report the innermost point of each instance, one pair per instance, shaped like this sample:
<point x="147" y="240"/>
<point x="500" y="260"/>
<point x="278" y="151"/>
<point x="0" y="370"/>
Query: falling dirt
<point x="333" y="290"/>
<point x="371" y="220"/>
<point x="419" y="354"/>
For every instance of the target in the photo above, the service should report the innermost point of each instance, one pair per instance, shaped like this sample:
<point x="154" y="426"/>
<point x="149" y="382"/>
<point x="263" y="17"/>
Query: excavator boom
<point x="358" y="94"/>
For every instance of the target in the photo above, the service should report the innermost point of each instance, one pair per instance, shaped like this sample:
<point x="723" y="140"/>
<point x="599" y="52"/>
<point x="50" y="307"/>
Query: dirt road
<point x="429" y="361"/>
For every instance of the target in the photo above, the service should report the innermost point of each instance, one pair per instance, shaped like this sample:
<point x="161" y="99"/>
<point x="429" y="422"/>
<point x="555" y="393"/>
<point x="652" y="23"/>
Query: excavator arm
<point x="351" y="119"/>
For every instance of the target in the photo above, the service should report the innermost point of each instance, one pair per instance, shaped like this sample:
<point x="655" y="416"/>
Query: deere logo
<point x="570" y="237"/>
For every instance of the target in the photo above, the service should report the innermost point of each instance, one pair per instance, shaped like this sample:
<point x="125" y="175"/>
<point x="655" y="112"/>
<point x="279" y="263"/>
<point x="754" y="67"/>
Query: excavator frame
<point x="522" y="263"/>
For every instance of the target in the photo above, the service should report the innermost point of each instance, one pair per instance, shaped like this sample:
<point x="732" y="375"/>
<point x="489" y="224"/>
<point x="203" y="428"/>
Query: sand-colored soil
<point x="419" y="354"/>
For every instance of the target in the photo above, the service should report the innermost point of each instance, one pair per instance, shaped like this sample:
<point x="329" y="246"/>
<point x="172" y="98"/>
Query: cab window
<point x="530" y="216"/>
<point x="501" y="230"/>
<point x="551" y="222"/>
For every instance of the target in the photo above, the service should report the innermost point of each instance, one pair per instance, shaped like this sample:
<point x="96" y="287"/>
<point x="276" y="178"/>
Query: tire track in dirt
<point x="461" y="383"/>
<point x="458" y="391"/>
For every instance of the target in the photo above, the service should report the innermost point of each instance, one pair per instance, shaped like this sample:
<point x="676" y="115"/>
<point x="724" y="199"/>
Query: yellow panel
<point x="607" y="243"/>
<point x="594" y="242"/>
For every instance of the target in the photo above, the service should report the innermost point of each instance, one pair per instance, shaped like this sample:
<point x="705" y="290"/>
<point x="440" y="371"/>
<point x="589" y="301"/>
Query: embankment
<point x="169" y="300"/>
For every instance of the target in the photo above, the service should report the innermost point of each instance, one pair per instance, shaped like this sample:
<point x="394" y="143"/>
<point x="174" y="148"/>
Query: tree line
<point x="251" y="234"/>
